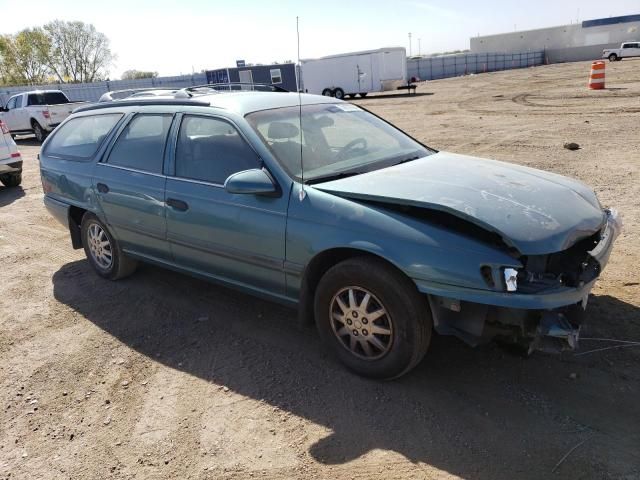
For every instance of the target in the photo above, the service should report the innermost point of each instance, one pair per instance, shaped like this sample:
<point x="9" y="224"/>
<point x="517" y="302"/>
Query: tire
<point x="327" y="92"/>
<point x="338" y="93"/>
<point x="351" y="95"/>
<point x="406" y="317"/>
<point x="120" y="266"/>
<point x="363" y="94"/>
<point x="38" y="131"/>
<point x="613" y="57"/>
<point x="11" y="179"/>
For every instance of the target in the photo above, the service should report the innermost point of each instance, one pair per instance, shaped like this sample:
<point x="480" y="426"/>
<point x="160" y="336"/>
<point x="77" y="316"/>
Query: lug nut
<point x="355" y="333"/>
<point x="349" y="322"/>
<point x="365" y="321"/>
<point x="364" y="331"/>
<point x="355" y="314"/>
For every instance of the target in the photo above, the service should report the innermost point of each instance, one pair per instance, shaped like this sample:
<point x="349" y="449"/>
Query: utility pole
<point x="419" y="46"/>
<point x="409" y="43"/>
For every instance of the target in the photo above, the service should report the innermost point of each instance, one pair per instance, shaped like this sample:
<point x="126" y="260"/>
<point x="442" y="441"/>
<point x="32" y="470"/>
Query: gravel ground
<point x="165" y="376"/>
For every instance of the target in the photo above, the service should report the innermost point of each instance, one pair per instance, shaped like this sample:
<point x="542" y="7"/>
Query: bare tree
<point x="136" y="74"/>
<point x="78" y="53"/>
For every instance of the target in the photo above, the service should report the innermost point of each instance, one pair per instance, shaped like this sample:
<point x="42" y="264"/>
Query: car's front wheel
<point x="102" y="250"/>
<point x="11" y="179"/>
<point x="372" y="317"/>
<point x="613" y="57"/>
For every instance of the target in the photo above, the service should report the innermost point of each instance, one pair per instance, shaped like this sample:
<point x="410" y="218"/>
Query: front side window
<point x="141" y="144"/>
<point x="19" y="101"/>
<point x="80" y="137"/>
<point x="210" y="149"/>
<point x="336" y="139"/>
<point x="276" y="76"/>
<point x="12" y="103"/>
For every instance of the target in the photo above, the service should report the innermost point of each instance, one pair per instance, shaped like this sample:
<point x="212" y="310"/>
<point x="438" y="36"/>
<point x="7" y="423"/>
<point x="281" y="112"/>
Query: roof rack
<point x="144" y="101"/>
<point x="236" y="86"/>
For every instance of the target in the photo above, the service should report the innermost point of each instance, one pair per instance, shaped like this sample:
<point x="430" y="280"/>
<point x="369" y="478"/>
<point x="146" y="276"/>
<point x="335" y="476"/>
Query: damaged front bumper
<point x="548" y="319"/>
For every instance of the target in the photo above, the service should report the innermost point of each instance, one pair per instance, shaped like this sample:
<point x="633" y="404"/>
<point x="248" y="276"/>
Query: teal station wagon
<point x="322" y="205"/>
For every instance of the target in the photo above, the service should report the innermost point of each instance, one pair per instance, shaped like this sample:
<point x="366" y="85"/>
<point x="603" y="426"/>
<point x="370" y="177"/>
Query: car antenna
<point x="302" y="192"/>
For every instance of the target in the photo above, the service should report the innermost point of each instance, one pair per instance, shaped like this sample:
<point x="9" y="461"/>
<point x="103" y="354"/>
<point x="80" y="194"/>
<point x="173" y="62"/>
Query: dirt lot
<point x="164" y="376"/>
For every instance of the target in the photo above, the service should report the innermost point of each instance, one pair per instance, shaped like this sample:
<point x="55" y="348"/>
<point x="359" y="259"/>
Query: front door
<point x="130" y="186"/>
<point x="246" y="76"/>
<point x="237" y="238"/>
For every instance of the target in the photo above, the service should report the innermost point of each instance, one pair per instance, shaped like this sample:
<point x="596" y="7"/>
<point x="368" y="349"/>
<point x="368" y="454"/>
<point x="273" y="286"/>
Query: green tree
<point x="136" y="74"/>
<point x="23" y="57"/>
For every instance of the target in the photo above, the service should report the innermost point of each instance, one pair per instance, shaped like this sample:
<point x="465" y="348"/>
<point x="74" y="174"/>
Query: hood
<point x="534" y="211"/>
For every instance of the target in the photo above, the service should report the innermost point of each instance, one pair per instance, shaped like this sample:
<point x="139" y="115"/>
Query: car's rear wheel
<point x="39" y="132"/>
<point x="363" y="94"/>
<point x="613" y="57"/>
<point x="327" y="92"/>
<point x="338" y="93"/>
<point x="11" y="179"/>
<point x="372" y="317"/>
<point x="102" y="250"/>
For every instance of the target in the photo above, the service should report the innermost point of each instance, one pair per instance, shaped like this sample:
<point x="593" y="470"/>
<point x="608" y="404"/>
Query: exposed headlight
<point x="511" y="279"/>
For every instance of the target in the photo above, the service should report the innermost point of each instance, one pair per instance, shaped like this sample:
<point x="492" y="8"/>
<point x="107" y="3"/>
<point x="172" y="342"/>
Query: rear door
<point x="235" y="238"/>
<point x="129" y="184"/>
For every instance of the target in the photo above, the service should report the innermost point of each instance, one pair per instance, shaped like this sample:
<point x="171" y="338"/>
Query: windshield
<point x="337" y="140"/>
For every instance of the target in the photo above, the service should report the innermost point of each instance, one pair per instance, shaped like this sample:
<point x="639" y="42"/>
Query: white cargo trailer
<point x="355" y="73"/>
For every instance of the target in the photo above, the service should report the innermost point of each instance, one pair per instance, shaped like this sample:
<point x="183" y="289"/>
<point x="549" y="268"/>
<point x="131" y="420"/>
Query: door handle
<point x="177" y="204"/>
<point x="102" y="188"/>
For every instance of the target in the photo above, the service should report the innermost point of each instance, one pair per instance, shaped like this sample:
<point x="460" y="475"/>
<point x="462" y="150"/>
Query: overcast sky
<point x="173" y="37"/>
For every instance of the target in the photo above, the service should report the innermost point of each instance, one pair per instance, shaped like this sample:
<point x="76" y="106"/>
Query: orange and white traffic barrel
<point x="596" y="77"/>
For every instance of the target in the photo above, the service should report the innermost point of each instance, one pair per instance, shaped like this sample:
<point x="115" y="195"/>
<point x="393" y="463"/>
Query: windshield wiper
<point x="330" y="177"/>
<point x="410" y="159"/>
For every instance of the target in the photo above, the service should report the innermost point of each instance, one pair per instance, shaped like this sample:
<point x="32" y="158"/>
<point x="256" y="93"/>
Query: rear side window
<point x="80" y="137"/>
<point x="210" y="149"/>
<point x="141" y="144"/>
<point x="47" y="98"/>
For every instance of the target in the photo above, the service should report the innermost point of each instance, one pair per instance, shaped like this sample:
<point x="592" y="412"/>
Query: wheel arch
<point x="319" y="265"/>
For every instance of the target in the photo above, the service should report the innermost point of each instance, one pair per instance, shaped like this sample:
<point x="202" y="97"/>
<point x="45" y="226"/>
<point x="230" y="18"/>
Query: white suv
<point x="10" y="159"/>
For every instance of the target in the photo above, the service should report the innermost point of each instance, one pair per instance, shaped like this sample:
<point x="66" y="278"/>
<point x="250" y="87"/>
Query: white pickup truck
<point x="626" y="50"/>
<point x="37" y="112"/>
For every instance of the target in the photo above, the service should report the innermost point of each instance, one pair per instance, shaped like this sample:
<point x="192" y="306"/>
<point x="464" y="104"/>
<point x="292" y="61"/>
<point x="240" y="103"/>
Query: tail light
<point x="15" y="155"/>
<point x="3" y="127"/>
<point x="46" y="114"/>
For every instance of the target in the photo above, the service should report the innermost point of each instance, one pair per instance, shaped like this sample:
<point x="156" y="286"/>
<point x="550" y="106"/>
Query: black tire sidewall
<point x="337" y="92"/>
<point x="404" y="306"/>
<point x="36" y="128"/>
<point x="327" y="90"/>
<point x="11" y="180"/>
<point x="110" y="273"/>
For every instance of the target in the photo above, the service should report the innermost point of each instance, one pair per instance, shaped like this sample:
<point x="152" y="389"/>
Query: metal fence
<point x="426" y="68"/>
<point x="91" y="92"/>
<point x="433" y="68"/>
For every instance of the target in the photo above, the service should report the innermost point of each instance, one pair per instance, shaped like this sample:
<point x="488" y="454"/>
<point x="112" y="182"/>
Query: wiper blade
<point x="410" y="159"/>
<point x="333" y="176"/>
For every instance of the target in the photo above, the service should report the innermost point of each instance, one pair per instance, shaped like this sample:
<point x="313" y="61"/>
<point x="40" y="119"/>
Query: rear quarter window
<point x="80" y="137"/>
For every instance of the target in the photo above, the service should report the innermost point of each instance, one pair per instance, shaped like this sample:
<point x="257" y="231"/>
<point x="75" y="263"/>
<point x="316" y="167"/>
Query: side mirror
<point x="255" y="182"/>
<point x="3" y="109"/>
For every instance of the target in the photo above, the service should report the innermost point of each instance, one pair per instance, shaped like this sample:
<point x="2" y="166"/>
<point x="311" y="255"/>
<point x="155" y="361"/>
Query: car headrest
<point x="281" y="130"/>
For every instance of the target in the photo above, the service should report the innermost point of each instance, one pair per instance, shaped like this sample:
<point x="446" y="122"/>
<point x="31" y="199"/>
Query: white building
<point x="566" y="43"/>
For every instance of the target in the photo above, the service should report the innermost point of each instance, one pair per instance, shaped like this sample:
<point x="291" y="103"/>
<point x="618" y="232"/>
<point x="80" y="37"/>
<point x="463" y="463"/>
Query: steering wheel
<point x="351" y="147"/>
